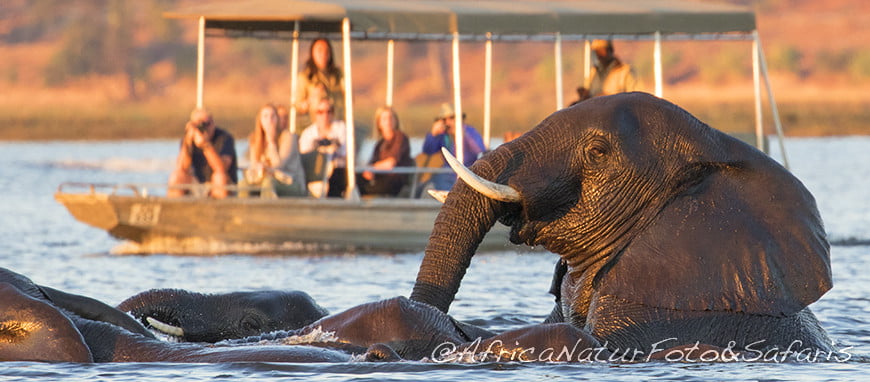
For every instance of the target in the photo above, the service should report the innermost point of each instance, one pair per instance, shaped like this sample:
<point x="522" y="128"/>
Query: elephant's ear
<point x="744" y="238"/>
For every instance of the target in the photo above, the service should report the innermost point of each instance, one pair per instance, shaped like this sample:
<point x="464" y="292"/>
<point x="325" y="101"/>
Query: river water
<point x="501" y="290"/>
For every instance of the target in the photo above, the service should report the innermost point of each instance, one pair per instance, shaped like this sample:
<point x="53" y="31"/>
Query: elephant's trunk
<point x="460" y="227"/>
<point x="153" y="298"/>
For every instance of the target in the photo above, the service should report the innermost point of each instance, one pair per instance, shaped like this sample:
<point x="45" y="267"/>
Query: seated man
<point x="208" y="154"/>
<point x="443" y="134"/>
<point x="326" y="136"/>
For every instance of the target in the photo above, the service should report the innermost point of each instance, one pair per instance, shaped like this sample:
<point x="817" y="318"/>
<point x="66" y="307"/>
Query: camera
<point x="324" y="142"/>
<point x="202" y="126"/>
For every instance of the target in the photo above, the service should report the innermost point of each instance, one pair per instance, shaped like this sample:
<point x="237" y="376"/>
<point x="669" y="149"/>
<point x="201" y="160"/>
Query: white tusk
<point x="439" y="195"/>
<point x="489" y="189"/>
<point x="164" y="327"/>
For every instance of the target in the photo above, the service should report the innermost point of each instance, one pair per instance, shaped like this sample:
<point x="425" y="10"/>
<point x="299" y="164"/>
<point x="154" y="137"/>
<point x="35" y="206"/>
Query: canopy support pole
<point x="756" y="86"/>
<point x="560" y="102"/>
<point x="391" y="54"/>
<point x="770" y="99"/>
<point x="657" y="63"/>
<point x="200" y="62"/>
<point x="294" y="69"/>
<point x="587" y="60"/>
<point x="487" y="93"/>
<point x="350" y="149"/>
<point x="457" y="102"/>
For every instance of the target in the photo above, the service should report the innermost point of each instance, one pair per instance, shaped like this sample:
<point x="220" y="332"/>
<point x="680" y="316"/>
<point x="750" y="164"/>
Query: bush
<point x="833" y="62"/>
<point x="728" y="63"/>
<point x="786" y="58"/>
<point x="79" y="55"/>
<point x="859" y="65"/>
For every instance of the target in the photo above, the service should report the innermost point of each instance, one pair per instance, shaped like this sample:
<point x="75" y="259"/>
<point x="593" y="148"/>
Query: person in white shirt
<point x="327" y="136"/>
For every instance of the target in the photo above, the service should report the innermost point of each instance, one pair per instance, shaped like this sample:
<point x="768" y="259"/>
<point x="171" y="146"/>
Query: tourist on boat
<point x="609" y="75"/>
<point x="392" y="149"/>
<point x="327" y="136"/>
<point x="443" y="134"/>
<point x="319" y="78"/>
<point x="207" y="155"/>
<point x="275" y="164"/>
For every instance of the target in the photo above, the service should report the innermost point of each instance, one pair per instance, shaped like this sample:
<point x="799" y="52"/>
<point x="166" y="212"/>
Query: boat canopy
<point x="424" y="19"/>
<point x="480" y="20"/>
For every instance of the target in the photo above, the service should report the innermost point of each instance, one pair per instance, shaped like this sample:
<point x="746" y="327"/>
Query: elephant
<point x="81" y="306"/>
<point x="197" y="317"/>
<point x="33" y="328"/>
<point x="417" y="331"/>
<point x="666" y="229"/>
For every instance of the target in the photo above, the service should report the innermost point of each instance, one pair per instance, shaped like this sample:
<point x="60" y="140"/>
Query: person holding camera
<point x="327" y="136"/>
<point x="207" y="155"/>
<point x="443" y="134"/>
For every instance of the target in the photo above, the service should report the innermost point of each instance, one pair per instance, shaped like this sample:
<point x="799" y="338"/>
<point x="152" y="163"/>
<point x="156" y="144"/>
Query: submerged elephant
<point x="34" y="328"/>
<point x="667" y="229"/>
<point x="416" y="331"/>
<point x="197" y="317"/>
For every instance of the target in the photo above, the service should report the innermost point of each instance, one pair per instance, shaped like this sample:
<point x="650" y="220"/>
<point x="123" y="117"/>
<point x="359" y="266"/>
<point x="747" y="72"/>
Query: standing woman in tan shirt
<point x="320" y="78"/>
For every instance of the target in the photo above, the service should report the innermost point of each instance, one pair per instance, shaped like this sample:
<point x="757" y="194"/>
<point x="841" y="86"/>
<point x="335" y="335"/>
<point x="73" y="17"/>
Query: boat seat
<point x="421" y="180"/>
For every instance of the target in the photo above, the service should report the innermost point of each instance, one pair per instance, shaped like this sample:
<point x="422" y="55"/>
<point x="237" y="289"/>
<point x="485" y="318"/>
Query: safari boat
<point x="201" y="225"/>
<point x="195" y="225"/>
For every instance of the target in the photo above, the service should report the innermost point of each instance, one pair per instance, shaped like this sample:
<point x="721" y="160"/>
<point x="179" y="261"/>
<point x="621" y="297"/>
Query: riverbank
<point x="87" y="118"/>
<point x="821" y="78"/>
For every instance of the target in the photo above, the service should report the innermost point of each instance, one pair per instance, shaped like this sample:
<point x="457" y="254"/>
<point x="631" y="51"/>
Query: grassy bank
<point x="165" y="120"/>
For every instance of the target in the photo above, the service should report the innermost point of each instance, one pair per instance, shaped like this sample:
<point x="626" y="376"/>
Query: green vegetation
<point x="786" y="58"/>
<point x="98" y="38"/>
<point x="859" y="64"/>
<point x="729" y="63"/>
<point x="163" y="120"/>
<point x="118" y="69"/>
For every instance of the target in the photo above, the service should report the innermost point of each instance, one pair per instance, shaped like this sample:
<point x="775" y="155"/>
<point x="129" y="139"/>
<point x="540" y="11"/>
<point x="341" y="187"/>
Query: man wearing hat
<point x="443" y="134"/>
<point x="609" y="75"/>
<point x="207" y="155"/>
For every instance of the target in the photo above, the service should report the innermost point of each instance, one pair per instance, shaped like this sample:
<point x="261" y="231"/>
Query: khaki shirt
<point x="334" y="87"/>
<point x="615" y="78"/>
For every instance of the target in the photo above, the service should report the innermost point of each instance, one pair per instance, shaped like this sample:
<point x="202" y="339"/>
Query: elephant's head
<point x="667" y="211"/>
<point x="31" y="329"/>
<point x="197" y="317"/>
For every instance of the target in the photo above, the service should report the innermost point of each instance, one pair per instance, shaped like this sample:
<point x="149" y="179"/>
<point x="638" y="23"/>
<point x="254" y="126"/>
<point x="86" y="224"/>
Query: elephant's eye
<point x="251" y="324"/>
<point x="596" y="151"/>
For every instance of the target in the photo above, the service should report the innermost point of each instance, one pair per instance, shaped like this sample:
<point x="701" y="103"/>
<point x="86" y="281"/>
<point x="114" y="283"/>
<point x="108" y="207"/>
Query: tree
<point x="99" y="39"/>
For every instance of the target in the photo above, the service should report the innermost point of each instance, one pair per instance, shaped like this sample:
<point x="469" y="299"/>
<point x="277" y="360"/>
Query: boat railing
<point x="202" y="190"/>
<point x="414" y="171"/>
<point x="144" y="189"/>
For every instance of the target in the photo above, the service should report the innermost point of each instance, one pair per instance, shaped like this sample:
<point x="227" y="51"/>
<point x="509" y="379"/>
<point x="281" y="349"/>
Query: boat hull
<point x="256" y="225"/>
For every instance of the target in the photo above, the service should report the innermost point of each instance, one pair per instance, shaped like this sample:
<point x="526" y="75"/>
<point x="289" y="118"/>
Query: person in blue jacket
<point x="443" y="134"/>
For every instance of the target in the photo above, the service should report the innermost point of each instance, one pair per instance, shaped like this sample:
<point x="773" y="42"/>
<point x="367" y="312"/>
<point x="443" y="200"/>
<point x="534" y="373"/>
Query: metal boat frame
<point x="394" y="224"/>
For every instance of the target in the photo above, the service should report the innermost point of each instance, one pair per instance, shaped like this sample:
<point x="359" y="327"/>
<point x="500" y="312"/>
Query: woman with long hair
<point x="274" y="161"/>
<point x="320" y="78"/>
<point x="391" y="150"/>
